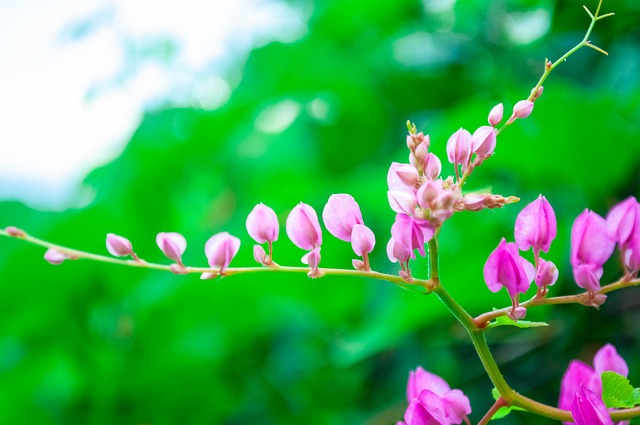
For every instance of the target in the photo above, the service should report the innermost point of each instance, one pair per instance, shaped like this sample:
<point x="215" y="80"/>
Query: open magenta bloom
<point x="172" y="245"/>
<point x="220" y="250"/>
<point x="623" y="227"/>
<point x="432" y="401"/>
<point x="506" y="268"/>
<point x="580" y="375"/>
<point x="590" y="249"/>
<point x="262" y="224"/>
<point x="412" y="233"/>
<point x="303" y="227"/>
<point x="536" y="226"/>
<point x="589" y="409"/>
<point x="340" y="214"/>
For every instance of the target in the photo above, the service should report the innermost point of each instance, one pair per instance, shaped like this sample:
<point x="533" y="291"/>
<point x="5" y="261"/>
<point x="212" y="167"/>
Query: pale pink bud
<point x="397" y="251"/>
<point x="412" y="233"/>
<point x="312" y="258"/>
<point x="419" y="154"/>
<point x="536" y="226"/>
<point x="432" y="166"/>
<point x="208" y="275"/>
<point x="484" y="141"/>
<point x="401" y="201"/>
<point x="340" y="214"/>
<point x="408" y="174"/>
<point x="521" y="109"/>
<point x="495" y="116"/>
<point x="259" y="254"/>
<point x="475" y="201"/>
<point x="55" y="257"/>
<point x="393" y="179"/>
<point x="416" y="139"/>
<point x="359" y="265"/>
<point x="537" y="93"/>
<point x="118" y="246"/>
<point x="220" y="250"/>
<point x="505" y="268"/>
<point x="546" y="274"/>
<point x="518" y="313"/>
<point x="15" y="232"/>
<point x="429" y="193"/>
<point x="623" y="221"/>
<point x="177" y="269"/>
<point x="303" y="227"/>
<point x="262" y="224"/>
<point x="362" y="240"/>
<point x="172" y="245"/>
<point x="459" y="147"/>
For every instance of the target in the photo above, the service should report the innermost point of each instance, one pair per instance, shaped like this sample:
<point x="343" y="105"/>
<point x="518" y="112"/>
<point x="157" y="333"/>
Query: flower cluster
<point x="535" y="229"/>
<point x="581" y="387"/>
<point x="432" y="401"/>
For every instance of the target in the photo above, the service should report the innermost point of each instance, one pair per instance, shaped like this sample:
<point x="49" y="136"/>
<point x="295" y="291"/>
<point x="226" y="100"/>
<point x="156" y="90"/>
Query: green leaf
<point x="617" y="392"/>
<point x="506" y="321"/>
<point x="503" y="411"/>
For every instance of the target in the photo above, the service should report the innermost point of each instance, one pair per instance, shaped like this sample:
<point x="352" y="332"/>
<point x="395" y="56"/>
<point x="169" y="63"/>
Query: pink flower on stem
<point x="56" y="257"/>
<point x="495" y="116"/>
<point x="536" y="227"/>
<point x="432" y="166"/>
<point x="401" y="201"/>
<point x="263" y="226"/>
<point x="580" y="375"/>
<point x="402" y="177"/>
<point x="590" y="249"/>
<point x="119" y="246"/>
<point x="412" y="233"/>
<point x="589" y="409"/>
<point x="483" y="143"/>
<point x="546" y="275"/>
<point x="623" y="227"/>
<point x="505" y="268"/>
<point x="432" y="401"/>
<point x="363" y="241"/>
<point x="172" y="245"/>
<point x="304" y="231"/>
<point x="459" y="149"/>
<point x="340" y="214"/>
<point x="220" y="250"/>
<point x="522" y="109"/>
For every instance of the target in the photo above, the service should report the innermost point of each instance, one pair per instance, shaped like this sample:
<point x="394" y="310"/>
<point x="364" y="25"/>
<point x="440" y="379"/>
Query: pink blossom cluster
<point x="581" y="387"/>
<point x="432" y="401"/>
<point x="535" y="229"/>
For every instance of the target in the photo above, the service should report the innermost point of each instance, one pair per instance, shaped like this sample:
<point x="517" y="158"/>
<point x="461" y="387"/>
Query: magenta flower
<point x="412" y="233"/>
<point x="303" y="227"/>
<point x="623" y="227"/>
<point x="340" y="214"/>
<point x="536" y="226"/>
<point x="262" y="224"/>
<point x="172" y="245"/>
<point x="431" y="399"/>
<point x="590" y="249"/>
<point x="589" y="409"/>
<point x="220" y="250"/>
<point x="546" y="274"/>
<point x="459" y="148"/>
<point x="495" y="116"/>
<point x="580" y="375"/>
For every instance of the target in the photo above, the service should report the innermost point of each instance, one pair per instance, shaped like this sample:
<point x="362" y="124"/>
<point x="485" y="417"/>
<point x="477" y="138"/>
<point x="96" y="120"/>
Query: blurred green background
<point x="90" y="343"/>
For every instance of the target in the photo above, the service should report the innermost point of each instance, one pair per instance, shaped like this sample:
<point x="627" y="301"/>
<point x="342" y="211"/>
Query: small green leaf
<point x="506" y="321"/>
<point x="503" y="411"/>
<point x="617" y="392"/>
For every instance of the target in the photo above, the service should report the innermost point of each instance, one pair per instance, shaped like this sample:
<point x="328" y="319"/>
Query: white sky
<point x="52" y="133"/>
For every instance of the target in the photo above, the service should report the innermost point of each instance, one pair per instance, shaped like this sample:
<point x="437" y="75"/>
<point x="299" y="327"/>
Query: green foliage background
<point x="99" y="344"/>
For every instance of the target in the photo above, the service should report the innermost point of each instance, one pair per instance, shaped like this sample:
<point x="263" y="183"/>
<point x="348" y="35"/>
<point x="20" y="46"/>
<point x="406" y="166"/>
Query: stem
<point x="496" y="406"/>
<point x="421" y="286"/>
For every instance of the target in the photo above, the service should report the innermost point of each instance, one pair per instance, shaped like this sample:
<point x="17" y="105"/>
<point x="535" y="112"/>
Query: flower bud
<point x="362" y="240"/>
<point x="172" y="245"/>
<point x="536" y="226"/>
<point x="312" y="258"/>
<point x="340" y="214"/>
<point x="401" y="201"/>
<point x="522" y="109"/>
<point x="220" y="250"/>
<point x="259" y="254"/>
<point x="484" y="141"/>
<point x="518" y="313"/>
<point x="546" y="274"/>
<point x="505" y="268"/>
<point x="118" y="246"/>
<point x="432" y="166"/>
<point x="590" y="249"/>
<point x="537" y="93"/>
<point x="303" y="227"/>
<point x="397" y="251"/>
<point x="359" y="265"/>
<point x="262" y="224"/>
<point x="15" y="232"/>
<point x="55" y="257"/>
<point x="623" y="221"/>
<point x="495" y="116"/>
<point x="459" y="147"/>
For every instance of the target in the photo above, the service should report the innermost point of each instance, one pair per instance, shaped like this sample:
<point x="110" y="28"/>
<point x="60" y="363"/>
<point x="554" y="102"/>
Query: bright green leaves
<point x="618" y="392"/>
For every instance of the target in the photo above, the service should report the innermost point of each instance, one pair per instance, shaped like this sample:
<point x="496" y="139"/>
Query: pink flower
<point x="262" y="224"/>
<point x="312" y="258"/>
<point x="402" y="201"/>
<point x="220" y="250"/>
<point x="172" y="245"/>
<point x="432" y="166"/>
<point x="495" y="116"/>
<point x="522" y="109"/>
<point x="536" y="226"/>
<point x="589" y="409"/>
<point x="431" y="399"/>
<point x="546" y="273"/>
<point x="340" y="214"/>
<point x="505" y="268"/>
<point x="398" y="252"/>
<point x="119" y="246"/>
<point x="590" y="249"/>
<point x="401" y="177"/>
<point x="362" y="240"/>
<point x="303" y="227"/>
<point x="580" y="375"/>
<point x="459" y="148"/>
<point x="412" y="233"/>
<point x="623" y="227"/>
<point x="56" y="257"/>
<point x="484" y="141"/>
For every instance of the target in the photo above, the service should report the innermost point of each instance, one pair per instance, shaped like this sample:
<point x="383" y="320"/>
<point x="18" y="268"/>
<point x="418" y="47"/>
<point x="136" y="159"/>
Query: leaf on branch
<point x="523" y="324"/>
<point x="617" y="392"/>
<point x="503" y="411"/>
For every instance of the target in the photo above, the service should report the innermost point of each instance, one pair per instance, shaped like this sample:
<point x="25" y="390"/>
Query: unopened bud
<point x="522" y="109"/>
<point x="495" y="116"/>
<point x="259" y="254"/>
<point x="518" y="313"/>
<point x="208" y="275"/>
<point x="537" y="93"/>
<point x="358" y="265"/>
<point x="15" y="232"/>
<point x="177" y="269"/>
